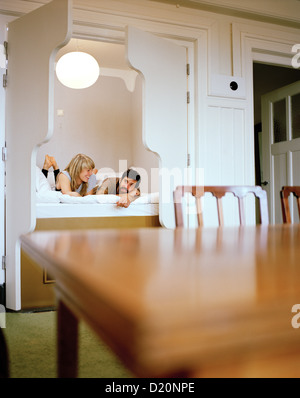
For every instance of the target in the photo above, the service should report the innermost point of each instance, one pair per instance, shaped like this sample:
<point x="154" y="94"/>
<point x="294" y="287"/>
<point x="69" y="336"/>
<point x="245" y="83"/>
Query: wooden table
<point x="198" y="303"/>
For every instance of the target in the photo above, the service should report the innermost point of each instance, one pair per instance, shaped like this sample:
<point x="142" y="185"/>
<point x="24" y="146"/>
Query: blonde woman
<point x="78" y="178"/>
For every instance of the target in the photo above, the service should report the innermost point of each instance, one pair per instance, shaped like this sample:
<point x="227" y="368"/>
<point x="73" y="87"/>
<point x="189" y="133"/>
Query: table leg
<point x="67" y="342"/>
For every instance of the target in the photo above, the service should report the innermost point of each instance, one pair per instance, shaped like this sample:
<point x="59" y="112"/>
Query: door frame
<point x="267" y="142"/>
<point x="251" y="44"/>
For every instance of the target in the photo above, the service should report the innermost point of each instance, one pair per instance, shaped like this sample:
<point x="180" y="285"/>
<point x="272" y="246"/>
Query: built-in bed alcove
<point x="103" y="121"/>
<point x="117" y="125"/>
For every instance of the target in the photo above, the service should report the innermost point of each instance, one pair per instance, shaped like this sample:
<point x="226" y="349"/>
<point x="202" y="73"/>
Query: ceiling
<point x="284" y="12"/>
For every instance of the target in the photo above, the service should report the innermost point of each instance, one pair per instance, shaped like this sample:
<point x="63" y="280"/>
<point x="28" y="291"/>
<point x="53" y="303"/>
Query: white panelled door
<point x="163" y="66"/>
<point x="33" y="41"/>
<point x="281" y="145"/>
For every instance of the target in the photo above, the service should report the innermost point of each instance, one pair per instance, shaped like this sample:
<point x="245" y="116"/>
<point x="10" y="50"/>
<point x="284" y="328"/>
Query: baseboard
<point x="2" y="295"/>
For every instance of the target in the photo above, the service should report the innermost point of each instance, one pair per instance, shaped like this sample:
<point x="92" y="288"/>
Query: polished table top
<point x="171" y="301"/>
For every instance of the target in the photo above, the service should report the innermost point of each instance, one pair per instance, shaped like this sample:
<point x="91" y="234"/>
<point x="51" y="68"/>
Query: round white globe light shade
<point x="77" y="70"/>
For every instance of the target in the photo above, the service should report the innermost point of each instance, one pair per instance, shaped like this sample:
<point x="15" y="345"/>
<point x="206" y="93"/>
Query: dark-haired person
<point x="127" y="187"/>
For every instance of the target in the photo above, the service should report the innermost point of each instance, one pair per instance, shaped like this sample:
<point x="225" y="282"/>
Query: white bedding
<point x="53" y="204"/>
<point x="57" y="210"/>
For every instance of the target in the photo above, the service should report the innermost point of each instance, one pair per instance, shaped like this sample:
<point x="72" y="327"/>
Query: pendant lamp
<point x="77" y="70"/>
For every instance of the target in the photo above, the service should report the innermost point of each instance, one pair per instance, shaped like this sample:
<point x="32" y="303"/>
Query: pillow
<point x="107" y="198"/>
<point x="42" y="185"/>
<point x="147" y="198"/>
<point x="89" y="199"/>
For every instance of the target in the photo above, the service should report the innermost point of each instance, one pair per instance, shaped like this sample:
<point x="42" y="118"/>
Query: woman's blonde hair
<point x="75" y="167"/>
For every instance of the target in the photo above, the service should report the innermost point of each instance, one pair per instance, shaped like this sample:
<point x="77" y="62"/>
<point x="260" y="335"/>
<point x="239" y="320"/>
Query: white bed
<point x="59" y="205"/>
<point x="51" y="204"/>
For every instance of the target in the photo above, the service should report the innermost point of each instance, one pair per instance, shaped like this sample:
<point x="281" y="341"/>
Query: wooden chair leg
<point x="241" y="211"/>
<point x="298" y="204"/>
<point x="220" y="212"/>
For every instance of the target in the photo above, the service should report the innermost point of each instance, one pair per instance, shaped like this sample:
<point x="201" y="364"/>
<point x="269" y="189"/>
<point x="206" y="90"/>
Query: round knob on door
<point x="265" y="183"/>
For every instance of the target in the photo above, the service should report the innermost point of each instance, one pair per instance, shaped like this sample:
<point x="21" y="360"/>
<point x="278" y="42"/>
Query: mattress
<point x="56" y="205"/>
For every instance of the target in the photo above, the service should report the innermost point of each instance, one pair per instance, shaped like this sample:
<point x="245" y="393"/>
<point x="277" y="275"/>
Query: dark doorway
<point x="267" y="78"/>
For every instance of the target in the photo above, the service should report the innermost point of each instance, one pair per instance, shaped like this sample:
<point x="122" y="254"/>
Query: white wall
<point x="96" y="122"/>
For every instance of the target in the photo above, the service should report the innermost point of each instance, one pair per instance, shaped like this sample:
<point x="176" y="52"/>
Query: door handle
<point x="265" y="183"/>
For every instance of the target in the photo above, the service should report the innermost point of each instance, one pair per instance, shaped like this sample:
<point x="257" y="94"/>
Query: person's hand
<point x="124" y="201"/>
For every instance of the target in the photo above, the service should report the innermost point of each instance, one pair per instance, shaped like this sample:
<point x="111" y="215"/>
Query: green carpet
<point x="31" y="343"/>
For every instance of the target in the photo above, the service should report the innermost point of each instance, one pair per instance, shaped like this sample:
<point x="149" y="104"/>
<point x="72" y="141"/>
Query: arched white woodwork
<point x="33" y="41"/>
<point x="163" y="66"/>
